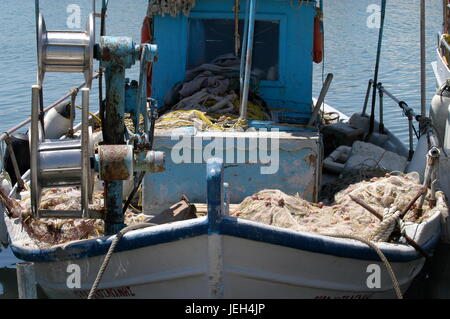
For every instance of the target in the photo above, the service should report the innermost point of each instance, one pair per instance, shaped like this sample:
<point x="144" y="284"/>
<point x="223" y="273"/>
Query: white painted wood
<point x="215" y="266"/>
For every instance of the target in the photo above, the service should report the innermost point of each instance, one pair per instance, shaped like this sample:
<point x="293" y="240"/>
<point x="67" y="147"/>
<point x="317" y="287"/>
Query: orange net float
<point x="318" y="37"/>
<point x="147" y="37"/>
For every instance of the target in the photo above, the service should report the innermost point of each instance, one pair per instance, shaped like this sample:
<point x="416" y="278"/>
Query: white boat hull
<point x="250" y="270"/>
<point x="218" y="256"/>
<point x="225" y="266"/>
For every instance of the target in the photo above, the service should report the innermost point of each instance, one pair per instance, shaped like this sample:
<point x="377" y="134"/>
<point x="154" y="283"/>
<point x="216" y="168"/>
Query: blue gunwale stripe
<point x="99" y="246"/>
<point x="317" y="244"/>
<point x="227" y="226"/>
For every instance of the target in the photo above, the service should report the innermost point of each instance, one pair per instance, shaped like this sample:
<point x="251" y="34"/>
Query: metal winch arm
<point x="148" y="53"/>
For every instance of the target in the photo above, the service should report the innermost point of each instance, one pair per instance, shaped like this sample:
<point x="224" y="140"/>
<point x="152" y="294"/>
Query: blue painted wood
<point x="293" y="91"/>
<point x="295" y="169"/>
<point x="270" y="125"/>
<point x="131" y="90"/>
<point x="215" y="195"/>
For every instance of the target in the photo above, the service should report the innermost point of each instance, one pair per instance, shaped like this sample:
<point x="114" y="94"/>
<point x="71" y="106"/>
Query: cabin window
<point x="210" y="38"/>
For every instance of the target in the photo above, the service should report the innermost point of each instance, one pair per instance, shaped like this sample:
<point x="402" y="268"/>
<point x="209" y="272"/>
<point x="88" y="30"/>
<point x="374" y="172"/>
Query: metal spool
<point x="66" y="51"/>
<point x="60" y="163"/>
<point x="66" y="162"/>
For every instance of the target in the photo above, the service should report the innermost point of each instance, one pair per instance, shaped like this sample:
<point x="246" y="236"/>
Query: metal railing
<point x="407" y="111"/>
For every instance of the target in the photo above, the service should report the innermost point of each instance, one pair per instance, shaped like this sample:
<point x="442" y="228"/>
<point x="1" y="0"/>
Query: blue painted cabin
<point x="282" y="49"/>
<point x="283" y="55"/>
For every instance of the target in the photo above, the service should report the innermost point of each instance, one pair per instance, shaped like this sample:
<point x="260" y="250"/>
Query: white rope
<point x="391" y="217"/>
<point x="383" y="258"/>
<point x="108" y="255"/>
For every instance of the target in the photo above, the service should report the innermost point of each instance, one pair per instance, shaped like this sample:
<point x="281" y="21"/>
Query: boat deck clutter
<point x="386" y="195"/>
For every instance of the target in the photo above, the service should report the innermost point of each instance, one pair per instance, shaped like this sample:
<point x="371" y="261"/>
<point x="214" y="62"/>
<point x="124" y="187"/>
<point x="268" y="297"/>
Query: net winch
<point x="72" y="161"/>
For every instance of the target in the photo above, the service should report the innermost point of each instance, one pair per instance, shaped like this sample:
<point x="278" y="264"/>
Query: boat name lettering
<point x="108" y="293"/>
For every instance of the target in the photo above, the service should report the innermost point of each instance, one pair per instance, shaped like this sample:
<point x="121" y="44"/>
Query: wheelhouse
<point x="192" y="38"/>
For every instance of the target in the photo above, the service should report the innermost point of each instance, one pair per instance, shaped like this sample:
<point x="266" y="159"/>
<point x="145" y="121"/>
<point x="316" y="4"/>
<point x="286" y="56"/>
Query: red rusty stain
<point x="311" y="159"/>
<point x="106" y="56"/>
<point x="112" y="162"/>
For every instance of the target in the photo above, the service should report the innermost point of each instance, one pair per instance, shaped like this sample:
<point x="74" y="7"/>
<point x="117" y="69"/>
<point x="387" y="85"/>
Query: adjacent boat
<point x="217" y="255"/>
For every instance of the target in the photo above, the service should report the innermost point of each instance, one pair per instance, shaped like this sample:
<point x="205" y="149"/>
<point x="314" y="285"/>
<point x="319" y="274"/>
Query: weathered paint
<point x="118" y="51"/>
<point x="215" y="195"/>
<point x="115" y="219"/>
<point x="215" y="200"/>
<point x="299" y="168"/>
<point x="149" y="161"/>
<point x="116" y="55"/>
<point x="116" y="162"/>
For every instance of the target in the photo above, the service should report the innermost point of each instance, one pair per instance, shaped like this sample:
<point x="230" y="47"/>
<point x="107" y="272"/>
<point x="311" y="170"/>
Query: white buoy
<point x="439" y="110"/>
<point x="6" y="184"/>
<point x="57" y="121"/>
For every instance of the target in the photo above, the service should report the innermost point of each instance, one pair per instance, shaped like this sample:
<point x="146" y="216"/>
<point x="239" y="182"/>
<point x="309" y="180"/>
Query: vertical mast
<point x="248" y="59"/>
<point x="422" y="59"/>
<point x="377" y="66"/>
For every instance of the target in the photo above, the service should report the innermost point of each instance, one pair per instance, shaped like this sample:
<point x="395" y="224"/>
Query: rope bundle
<point x="391" y="218"/>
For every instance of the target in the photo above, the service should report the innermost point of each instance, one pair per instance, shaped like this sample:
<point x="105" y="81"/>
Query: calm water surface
<point x="350" y="52"/>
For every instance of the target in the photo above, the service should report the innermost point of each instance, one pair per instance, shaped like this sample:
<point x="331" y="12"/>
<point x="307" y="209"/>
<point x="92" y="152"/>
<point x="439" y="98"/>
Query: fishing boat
<point x="201" y="247"/>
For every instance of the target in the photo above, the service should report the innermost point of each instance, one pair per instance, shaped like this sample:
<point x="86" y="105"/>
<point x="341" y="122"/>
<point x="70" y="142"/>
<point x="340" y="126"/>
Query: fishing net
<point x="209" y="99"/>
<point x="199" y="120"/>
<point x="204" y="120"/>
<point x="344" y="216"/>
<point x="128" y="120"/>
<point x="211" y="121"/>
<point x="169" y="7"/>
<point x="53" y="231"/>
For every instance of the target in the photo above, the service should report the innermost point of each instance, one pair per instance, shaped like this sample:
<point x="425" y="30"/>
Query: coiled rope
<point x="391" y="217"/>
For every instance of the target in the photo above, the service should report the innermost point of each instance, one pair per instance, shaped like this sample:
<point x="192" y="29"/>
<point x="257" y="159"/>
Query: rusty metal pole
<point x="116" y="54"/>
<point x="113" y="133"/>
